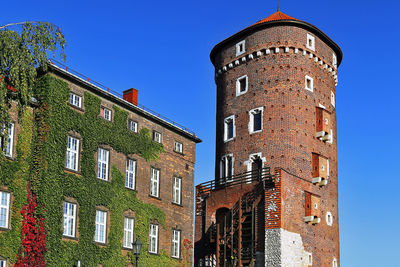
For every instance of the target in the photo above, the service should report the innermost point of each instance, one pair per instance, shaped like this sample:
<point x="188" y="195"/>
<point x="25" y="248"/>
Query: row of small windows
<point x="310" y="44"/>
<point x="255" y="123"/>
<point x="70" y="219"/>
<point x="106" y="113"/>
<point x="103" y="159"/>
<point x="242" y="86"/>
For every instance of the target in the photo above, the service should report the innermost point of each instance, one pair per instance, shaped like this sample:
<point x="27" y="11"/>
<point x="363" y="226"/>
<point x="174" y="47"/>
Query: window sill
<point x="180" y="153"/>
<point x="241" y="93"/>
<point x="100" y="117"/>
<point x="75" y="107"/>
<point x="259" y="131"/>
<point x="100" y="244"/>
<point x="104" y="180"/>
<point x="153" y="253"/>
<point x="72" y="171"/>
<point x="158" y="198"/>
<point x="228" y="140"/>
<point x="10" y="158"/>
<point x="127" y="249"/>
<point x="131" y="189"/>
<point x="2" y="229"/>
<point x="72" y="238"/>
<point x="176" y="204"/>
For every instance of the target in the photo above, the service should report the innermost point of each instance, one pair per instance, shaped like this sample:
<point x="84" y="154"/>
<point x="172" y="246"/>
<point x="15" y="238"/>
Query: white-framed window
<point x="240" y="48"/>
<point x="102" y="164"/>
<point x="333" y="100"/>
<point x="75" y="100"/>
<point x="334" y="60"/>
<point x="133" y="126"/>
<point x="229" y="128"/>
<point x="7" y="139"/>
<point x="153" y="236"/>
<point x="256" y="120"/>
<point x="176" y="244"/>
<point x="178" y="147"/>
<point x="334" y="262"/>
<point x="4" y="209"/>
<point x="72" y="159"/>
<point x="176" y="190"/>
<point x="3" y="263"/>
<point x="154" y="182"/>
<point x="106" y="113"/>
<point x="129" y="224"/>
<point x="310" y="42"/>
<point x="309" y="258"/>
<point x="101" y="226"/>
<point x="309" y="83"/>
<point x="226" y="167"/>
<point x="69" y="219"/>
<point x="156" y="137"/>
<point x="242" y="84"/>
<point x="130" y="175"/>
<point x="329" y="218"/>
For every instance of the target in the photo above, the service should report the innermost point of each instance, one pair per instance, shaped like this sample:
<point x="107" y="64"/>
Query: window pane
<point x="242" y="84"/>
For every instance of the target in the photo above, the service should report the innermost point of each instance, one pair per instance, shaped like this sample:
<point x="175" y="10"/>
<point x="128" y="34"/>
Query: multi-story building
<point x="105" y="171"/>
<point x="274" y="199"/>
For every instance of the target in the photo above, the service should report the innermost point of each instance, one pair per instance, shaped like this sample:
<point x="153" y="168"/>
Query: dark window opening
<point x="257" y="121"/>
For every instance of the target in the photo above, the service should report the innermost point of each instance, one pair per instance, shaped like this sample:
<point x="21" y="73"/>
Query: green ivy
<point x="54" y="119"/>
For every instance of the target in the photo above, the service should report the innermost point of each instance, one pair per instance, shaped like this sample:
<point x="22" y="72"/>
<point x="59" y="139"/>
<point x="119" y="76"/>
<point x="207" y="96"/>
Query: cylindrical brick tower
<point x="276" y="107"/>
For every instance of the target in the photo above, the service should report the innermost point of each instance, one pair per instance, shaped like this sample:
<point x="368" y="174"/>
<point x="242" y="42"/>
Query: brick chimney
<point x="131" y="95"/>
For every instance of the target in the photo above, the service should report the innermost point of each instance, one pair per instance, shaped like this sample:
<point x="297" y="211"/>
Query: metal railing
<point x="105" y="88"/>
<point x="263" y="174"/>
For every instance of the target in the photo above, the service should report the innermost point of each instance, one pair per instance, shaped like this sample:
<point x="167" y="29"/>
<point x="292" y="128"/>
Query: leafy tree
<point x="24" y="49"/>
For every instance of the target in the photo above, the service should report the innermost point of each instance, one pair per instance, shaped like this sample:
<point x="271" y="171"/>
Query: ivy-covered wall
<point x="53" y="120"/>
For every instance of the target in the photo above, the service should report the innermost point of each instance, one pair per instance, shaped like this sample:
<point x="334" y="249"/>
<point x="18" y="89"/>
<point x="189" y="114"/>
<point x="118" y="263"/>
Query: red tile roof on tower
<point x="276" y="16"/>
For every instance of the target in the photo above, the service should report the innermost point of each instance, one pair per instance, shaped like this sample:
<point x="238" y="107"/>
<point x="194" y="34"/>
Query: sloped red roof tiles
<point x="276" y="16"/>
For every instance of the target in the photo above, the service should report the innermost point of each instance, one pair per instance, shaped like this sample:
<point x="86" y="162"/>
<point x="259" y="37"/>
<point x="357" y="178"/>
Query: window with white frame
<point x="229" y="128"/>
<point x="154" y="182"/>
<point x="101" y="226"/>
<point x="72" y="159"/>
<point x="4" y="209"/>
<point x="130" y="175"/>
<point x="7" y="139"/>
<point x="240" y="48"/>
<point x="329" y="218"/>
<point x="178" y="147"/>
<point x="156" y="136"/>
<point x="153" y="236"/>
<point x="128" y="232"/>
<point x="309" y="83"/>
<point x="106" y="113"/>
<point x="310" y="42"/>
<point x="75" y="100"/>
<point x="242" y="85"/>
<point x="309" y="259"/>
<point x="133" y="126"/>
<point x="69" y="219"/>
<point x="334" y="263"/>
<point x="333" y="100"/>
<point x="334" y="60"/>
<point x="3" y="263"/>
<point x="102" y="164"/>
<point x="176" y="244"/>
<point x="176" y="190"/>
<point x="226" y="167"/>
<point x="256" y="120"/>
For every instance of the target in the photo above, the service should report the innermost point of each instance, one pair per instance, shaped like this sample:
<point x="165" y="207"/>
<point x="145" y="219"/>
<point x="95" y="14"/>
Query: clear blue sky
<point x="162" y="48"/>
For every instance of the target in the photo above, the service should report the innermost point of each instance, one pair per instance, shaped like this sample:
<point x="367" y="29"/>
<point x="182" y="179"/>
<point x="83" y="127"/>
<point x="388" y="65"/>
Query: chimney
<point x="131" y="95"/>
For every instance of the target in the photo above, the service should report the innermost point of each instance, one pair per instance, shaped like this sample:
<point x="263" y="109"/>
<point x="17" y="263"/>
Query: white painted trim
<point x="312" y="39"/>
<point x="238" y="50"/>
<point x="226" y="121"/>
<point x="333" y="102"/>
<point x="225" y="167"/>
<point x="249" y="162"/>
<point x="238" y="93"/>
<point x="329" y="222"/>
<point x="276" y="50"/>
<point x="312" y="83"/>
<point x="251" y="119"/>
<point x="321" y="106"/>
<point x="334" y="262"/>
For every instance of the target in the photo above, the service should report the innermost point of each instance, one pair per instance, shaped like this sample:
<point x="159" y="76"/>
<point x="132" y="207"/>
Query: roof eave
<point x="274" y="23"/>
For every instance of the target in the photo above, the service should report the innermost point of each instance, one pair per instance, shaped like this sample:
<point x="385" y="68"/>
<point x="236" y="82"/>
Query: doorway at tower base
<point x="285" y="249"/>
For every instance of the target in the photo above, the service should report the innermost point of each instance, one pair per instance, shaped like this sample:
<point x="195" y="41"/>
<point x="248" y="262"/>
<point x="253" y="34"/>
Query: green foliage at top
<point x="24" y="48"/>
<point x="51" y="183"/>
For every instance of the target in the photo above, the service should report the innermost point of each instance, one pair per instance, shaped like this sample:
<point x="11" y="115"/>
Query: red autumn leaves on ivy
<point x="33" y="237"/>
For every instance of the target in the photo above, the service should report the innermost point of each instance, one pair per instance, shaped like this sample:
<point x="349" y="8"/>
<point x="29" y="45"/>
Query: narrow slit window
<point x="309" y="83"/>
<point x="240" y="48"/>
<point x="226" y="168"/>
<point x="229" y="128"/>
<point x="256" y="120"/>
<point x="310" y="42"/>
<point x="241" y="85"/>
